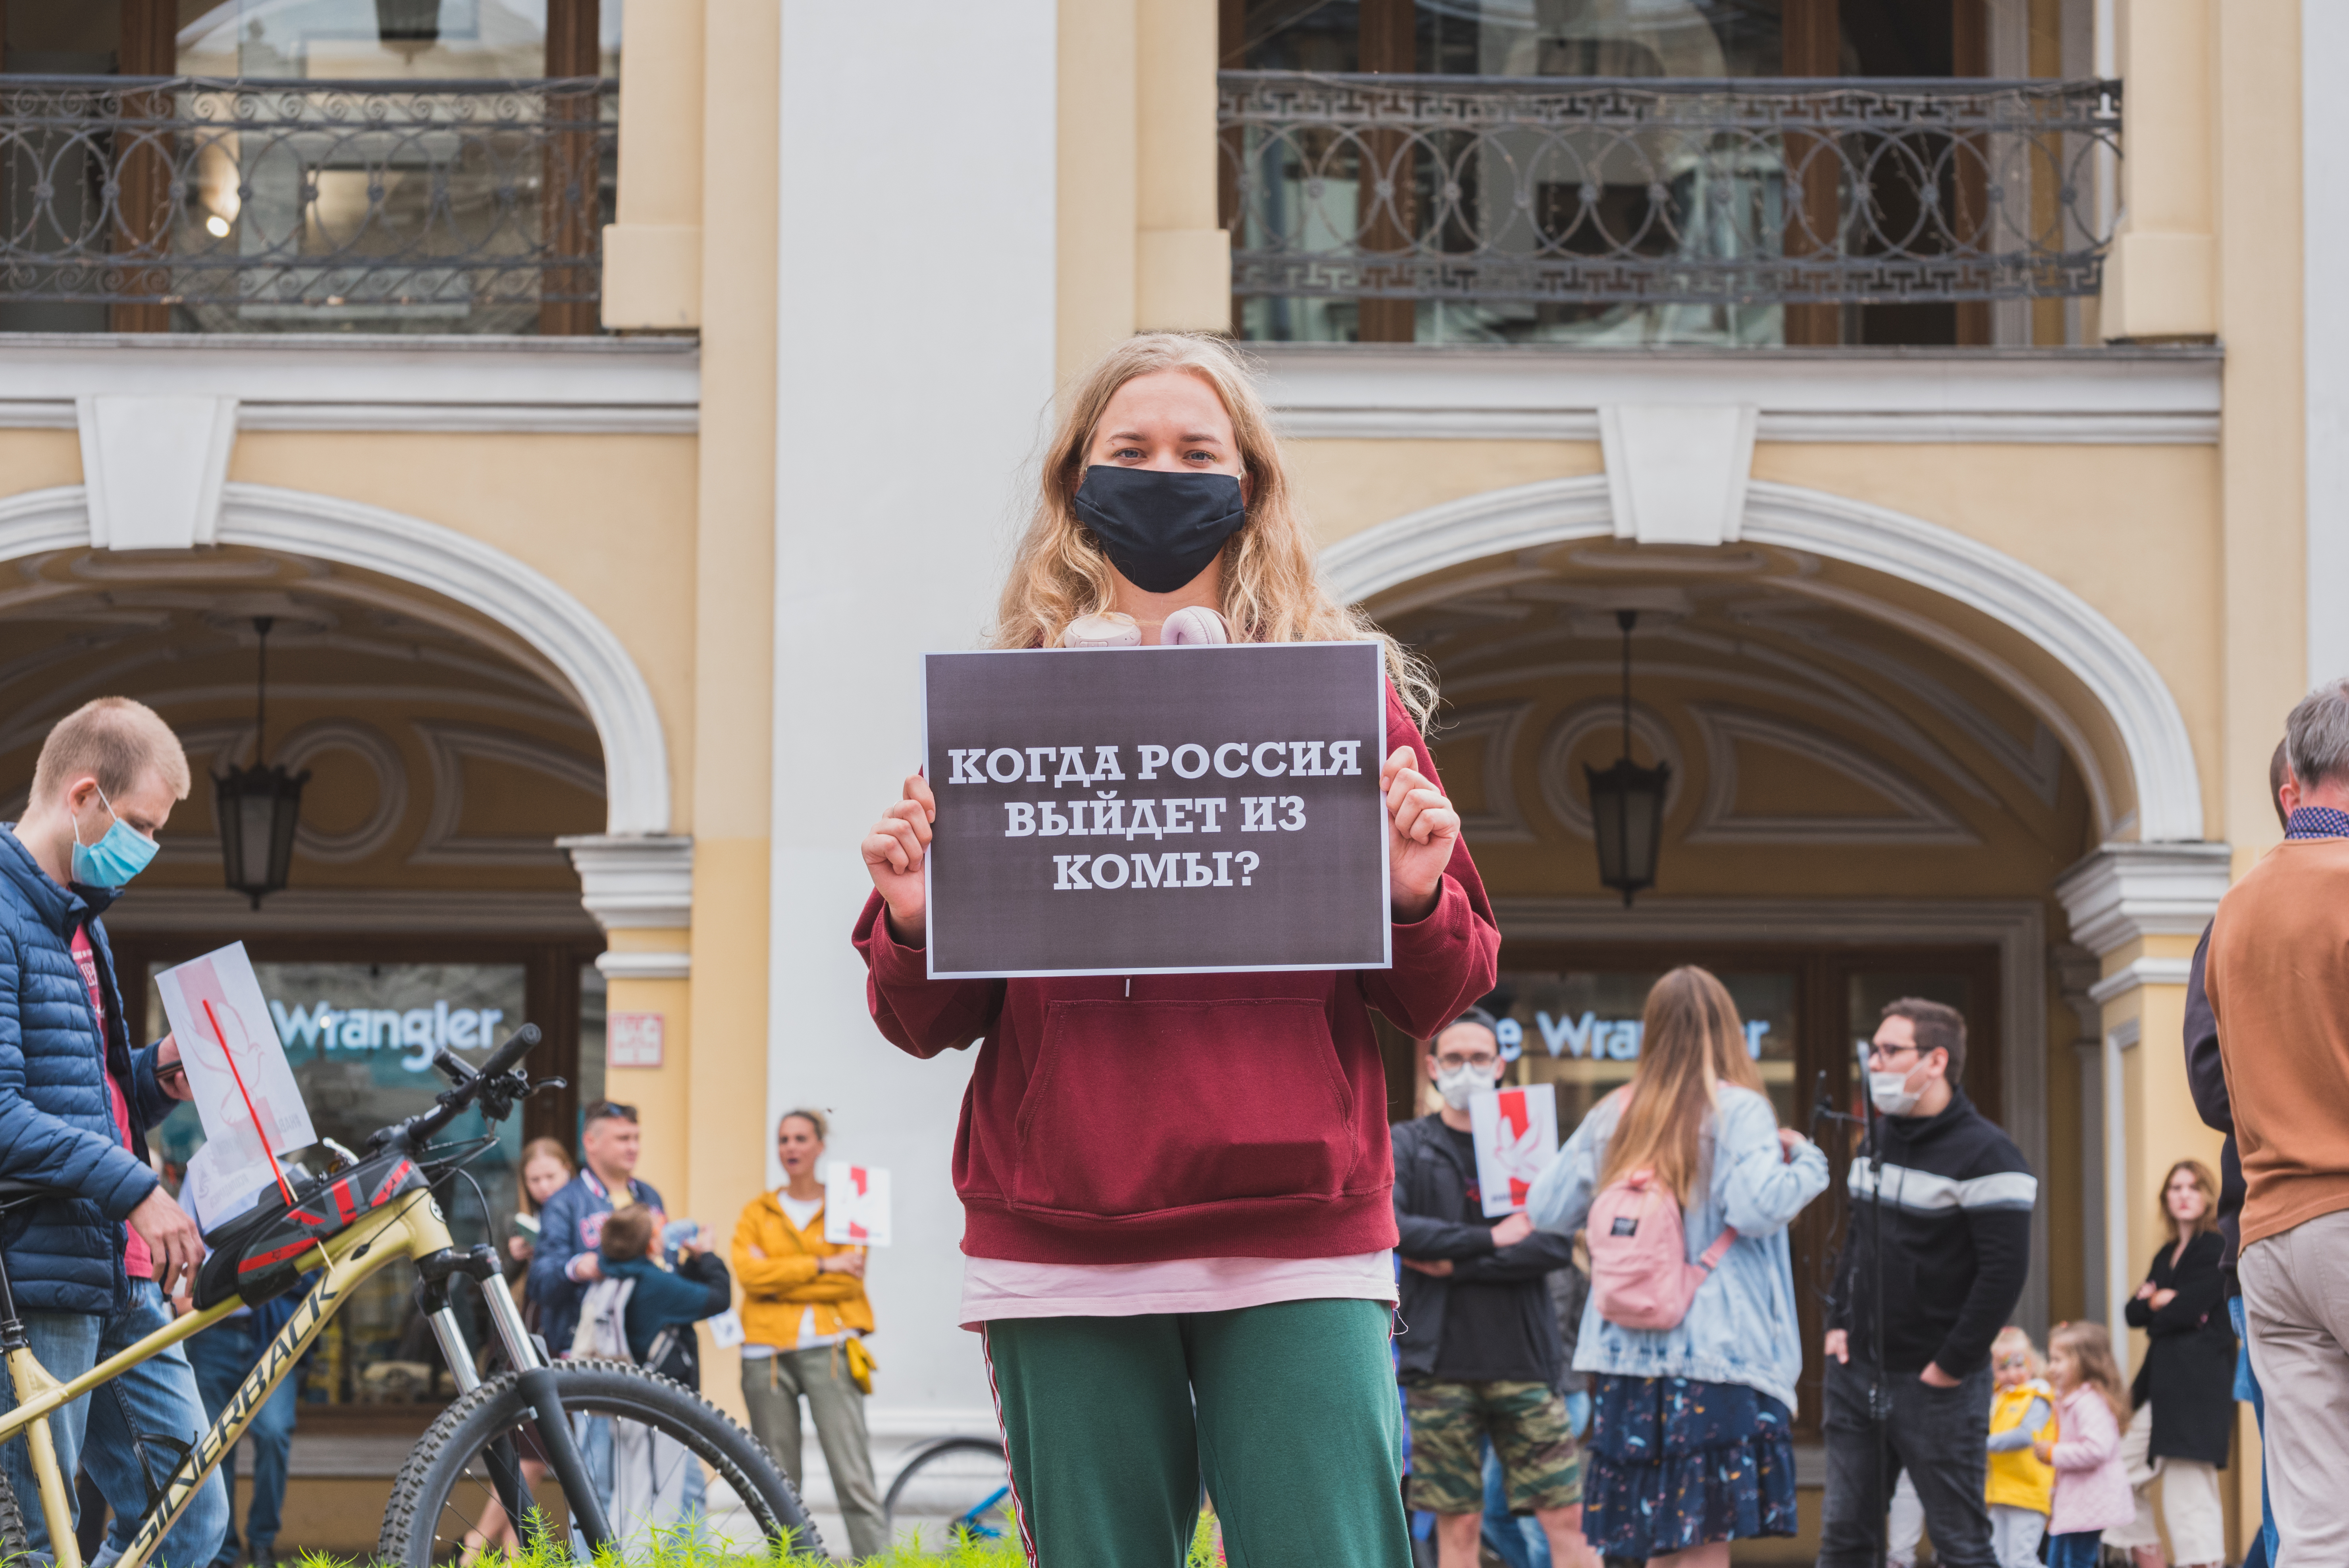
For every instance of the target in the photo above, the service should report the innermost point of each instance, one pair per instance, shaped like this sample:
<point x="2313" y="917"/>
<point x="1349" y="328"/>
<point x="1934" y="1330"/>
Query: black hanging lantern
<point x="1627" y="801"/>
<point x="259" y="806"/>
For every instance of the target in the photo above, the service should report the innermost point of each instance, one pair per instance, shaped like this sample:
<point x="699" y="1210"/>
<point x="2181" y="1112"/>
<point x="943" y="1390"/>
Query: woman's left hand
<point x="1421" y="829"/>
<point x="2162" y="1298"/>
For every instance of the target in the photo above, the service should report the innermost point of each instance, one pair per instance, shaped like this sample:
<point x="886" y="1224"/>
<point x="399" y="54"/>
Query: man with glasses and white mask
<point x="1479" y="1353"/>
<point x="1956" y="1207"/>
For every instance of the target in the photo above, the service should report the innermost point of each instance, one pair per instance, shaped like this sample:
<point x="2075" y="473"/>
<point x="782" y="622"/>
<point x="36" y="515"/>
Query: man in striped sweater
<point x="1955" y="1213"/>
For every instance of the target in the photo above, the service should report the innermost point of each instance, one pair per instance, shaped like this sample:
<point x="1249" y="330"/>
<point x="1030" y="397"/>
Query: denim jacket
<point x="1740" y="1327"/>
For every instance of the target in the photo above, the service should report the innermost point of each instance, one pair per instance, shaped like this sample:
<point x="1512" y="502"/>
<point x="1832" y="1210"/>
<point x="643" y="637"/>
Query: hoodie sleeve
<point x="1447" y="960"/>
<point x="919" y="1015"/>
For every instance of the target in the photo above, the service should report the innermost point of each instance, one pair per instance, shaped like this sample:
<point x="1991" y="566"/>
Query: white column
<point x="2324" y="231"/>
<point x="915" y="371"/>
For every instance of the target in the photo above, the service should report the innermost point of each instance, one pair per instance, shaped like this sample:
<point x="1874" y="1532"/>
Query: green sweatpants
<point x="1288" y="1411"/>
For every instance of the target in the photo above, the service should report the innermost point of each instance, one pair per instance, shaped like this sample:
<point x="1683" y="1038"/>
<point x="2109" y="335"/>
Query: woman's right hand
<point x="519" y="1248"/>
<point x="894" y="851"/>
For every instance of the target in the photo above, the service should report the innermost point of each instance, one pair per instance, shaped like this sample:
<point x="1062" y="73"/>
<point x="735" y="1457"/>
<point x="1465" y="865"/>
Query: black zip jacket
<point x="1958" y="1197"/>
<point x="2206" y="1079"/>
<point x="1436" y="1221"/>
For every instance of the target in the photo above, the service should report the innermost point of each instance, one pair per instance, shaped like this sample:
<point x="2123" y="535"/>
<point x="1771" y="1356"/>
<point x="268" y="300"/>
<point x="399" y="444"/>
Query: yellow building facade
<point x="1974" y="574"/>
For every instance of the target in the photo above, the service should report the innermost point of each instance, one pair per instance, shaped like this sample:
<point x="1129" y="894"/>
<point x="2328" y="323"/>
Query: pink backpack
<point x="1640" y="1273"/>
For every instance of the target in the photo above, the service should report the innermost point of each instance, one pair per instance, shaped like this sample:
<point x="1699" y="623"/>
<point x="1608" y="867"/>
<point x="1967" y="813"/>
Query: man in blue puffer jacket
<point x="76" y="1102"/>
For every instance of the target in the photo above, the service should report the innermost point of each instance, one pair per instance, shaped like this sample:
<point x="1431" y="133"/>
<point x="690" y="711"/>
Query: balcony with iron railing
<point x="1749" y="212"/>
<point x="154" y="204"/>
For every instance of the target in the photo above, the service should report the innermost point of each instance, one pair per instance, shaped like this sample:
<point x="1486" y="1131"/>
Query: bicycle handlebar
<point x="495" y="1079"/>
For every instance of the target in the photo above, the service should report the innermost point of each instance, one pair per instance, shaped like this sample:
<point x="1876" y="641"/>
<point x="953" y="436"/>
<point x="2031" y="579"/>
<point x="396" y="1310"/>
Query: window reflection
<point x="1580" y="1029"/>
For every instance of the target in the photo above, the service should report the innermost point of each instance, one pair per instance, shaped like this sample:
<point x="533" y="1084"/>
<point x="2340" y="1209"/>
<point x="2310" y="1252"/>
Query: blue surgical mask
<point x="120" y="853"/>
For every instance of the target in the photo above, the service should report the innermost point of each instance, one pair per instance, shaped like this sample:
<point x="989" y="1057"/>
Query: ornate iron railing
<point x="461" y="204"/>
<point x="1661" y="191"/>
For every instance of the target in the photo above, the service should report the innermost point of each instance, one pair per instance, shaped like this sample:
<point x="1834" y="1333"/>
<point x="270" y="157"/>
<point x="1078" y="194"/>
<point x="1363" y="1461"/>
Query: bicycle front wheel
<point x="672" y="1468"/>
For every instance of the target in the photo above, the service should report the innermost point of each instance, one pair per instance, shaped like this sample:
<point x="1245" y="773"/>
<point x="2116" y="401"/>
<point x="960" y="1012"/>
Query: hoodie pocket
<point x="1138" y="1107"/>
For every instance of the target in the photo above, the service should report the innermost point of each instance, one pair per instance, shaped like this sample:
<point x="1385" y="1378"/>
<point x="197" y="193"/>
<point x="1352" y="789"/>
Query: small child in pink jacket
<point x="2091" y="1489"/>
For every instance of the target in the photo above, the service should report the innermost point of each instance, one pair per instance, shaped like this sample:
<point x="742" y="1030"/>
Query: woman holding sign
<point x="1178" y="1229"/>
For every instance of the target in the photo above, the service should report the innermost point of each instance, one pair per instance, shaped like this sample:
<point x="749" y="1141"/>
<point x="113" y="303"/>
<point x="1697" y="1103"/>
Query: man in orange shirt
<point x="2278" y="982"/>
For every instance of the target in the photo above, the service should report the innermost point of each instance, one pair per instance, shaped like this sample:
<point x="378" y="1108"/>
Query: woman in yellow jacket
<point x="803" y="1307"/>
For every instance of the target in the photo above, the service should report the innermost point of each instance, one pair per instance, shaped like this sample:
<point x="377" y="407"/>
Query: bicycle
<point x="631" y="1453"/>
<point x="957" y="1470"/>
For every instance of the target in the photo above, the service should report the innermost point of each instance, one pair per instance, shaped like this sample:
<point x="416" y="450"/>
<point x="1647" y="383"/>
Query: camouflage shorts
<point x="1527" y="1421"/>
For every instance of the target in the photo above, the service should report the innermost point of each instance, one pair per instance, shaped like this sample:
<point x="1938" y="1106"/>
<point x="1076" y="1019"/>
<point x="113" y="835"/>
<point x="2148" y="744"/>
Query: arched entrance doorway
<point x="1888" y="745"/>
<point x="429" y="903"/>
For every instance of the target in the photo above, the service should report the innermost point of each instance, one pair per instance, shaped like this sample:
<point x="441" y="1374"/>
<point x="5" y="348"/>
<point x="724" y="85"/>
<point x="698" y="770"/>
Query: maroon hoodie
<point x="1112" y="1120"/>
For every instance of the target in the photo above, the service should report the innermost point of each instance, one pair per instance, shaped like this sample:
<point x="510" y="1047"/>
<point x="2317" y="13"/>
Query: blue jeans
<point x="2246" y="1387"/>
<point x="2080" y="1549"/>
<point x="1517" y="1541"/>
<point x="157" y="1398"/>
<point x="222" y="1355"/>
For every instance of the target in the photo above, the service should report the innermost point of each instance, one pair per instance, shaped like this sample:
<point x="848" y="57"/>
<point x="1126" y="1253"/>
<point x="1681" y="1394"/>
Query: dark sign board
<point x="1156" y="810"/>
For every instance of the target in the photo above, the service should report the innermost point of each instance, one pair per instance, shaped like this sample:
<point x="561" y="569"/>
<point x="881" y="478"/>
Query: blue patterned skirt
<point x="1674" y="1463"/>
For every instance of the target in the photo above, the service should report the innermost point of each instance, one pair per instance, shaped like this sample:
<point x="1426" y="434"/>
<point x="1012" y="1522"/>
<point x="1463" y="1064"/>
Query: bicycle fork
<point x="535" y="1380"/>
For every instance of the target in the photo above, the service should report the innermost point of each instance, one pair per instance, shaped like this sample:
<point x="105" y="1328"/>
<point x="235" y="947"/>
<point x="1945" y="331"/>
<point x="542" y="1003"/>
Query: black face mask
<point x="1160" y="528"/>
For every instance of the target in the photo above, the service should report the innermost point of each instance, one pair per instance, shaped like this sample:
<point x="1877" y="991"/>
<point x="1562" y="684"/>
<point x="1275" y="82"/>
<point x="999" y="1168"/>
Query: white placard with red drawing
<point x="236" y="1064"/>
<point x="1515" y="1133"/>
<point x="855" y="1205"/>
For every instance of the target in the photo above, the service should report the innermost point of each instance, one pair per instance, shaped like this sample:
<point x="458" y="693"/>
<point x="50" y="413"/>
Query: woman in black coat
<point x="2185" y="1391"/>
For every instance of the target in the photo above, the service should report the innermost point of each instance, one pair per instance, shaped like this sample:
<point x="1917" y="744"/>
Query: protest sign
<point x="855" y="1205"/>
<point x="214" y="1191"/>
<point x="1516" y="1134"/>
<point x="237" y="1073"/>
<point x="1156" y="810"/>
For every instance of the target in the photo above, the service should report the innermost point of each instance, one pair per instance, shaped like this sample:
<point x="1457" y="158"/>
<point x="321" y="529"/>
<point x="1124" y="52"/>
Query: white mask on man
<point x="1462" y="1082"/>
<point x="1891" y="1093"/>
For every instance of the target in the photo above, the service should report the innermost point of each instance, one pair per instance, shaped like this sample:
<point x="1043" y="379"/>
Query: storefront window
<point x="1580" y="1030"/>
<point x="360" y="1038"/>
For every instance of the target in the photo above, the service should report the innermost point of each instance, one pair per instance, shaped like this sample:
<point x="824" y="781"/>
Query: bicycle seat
<point x="16" y="1194"/>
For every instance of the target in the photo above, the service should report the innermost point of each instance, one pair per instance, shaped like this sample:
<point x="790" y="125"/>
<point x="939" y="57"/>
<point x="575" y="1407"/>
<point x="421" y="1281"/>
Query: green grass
<point x="678" y="1551"/>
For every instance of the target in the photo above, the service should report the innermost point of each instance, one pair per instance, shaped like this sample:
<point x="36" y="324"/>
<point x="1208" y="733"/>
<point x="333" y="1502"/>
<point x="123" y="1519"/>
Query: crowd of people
<point x="1228" y="1294"/>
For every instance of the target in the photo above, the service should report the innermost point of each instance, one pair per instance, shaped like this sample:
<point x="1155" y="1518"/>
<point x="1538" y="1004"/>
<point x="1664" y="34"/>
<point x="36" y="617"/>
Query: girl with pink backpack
<point x="1685" y="1183"/>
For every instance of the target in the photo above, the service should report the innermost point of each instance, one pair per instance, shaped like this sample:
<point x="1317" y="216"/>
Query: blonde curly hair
<point x="1272" y="592"/>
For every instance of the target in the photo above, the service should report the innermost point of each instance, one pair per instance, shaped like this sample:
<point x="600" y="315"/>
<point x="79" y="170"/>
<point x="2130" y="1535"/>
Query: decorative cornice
<point x="2084" y="397"/>
<point x="2141" y="972"/>
<point x="635" y="882"/>
<point x="451" y="385"/>
<point x="645" y="966"/>
<point x="2126" y="891"/>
